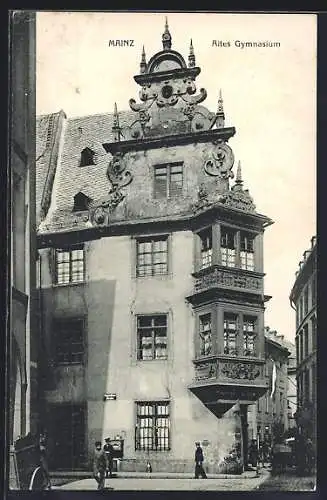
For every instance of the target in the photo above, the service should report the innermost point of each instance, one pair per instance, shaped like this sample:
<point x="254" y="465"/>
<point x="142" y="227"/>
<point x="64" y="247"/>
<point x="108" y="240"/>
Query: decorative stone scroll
<point x="241" y="371"/>
<point x="119" y="177"/>
<point x="228" y="279"/>
<point x="207" y="370"/>
<point x="220" y="163"/>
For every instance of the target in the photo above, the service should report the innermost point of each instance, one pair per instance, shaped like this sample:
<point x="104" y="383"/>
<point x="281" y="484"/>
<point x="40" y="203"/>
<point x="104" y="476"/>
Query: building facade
<point x="151" y="276"/>
<point x="269" y="417"/>
<point x="22" y="342"/>
<point x="303" y="299"/>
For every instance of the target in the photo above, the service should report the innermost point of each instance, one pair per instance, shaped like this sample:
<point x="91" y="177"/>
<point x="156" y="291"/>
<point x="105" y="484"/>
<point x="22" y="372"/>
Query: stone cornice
<point x="170" y="140"/>
<point x="167" y="75"/>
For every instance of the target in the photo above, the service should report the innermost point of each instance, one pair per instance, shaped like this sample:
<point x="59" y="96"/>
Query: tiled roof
<point x="87" y="131"/>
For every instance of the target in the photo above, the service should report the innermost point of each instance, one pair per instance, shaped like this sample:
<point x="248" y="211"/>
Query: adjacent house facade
<point x="303" y="299"/>
<point x="151" y="276"/>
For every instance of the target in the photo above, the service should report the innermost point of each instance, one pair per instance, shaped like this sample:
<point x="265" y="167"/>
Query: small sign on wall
<point x="109" y="396"/>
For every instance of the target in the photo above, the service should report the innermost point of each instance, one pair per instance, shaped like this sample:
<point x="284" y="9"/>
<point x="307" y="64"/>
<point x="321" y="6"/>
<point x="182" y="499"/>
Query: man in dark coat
<point x="99" y="465"/>
<point x="44" y="461"/>
<point x="199" y="470"/>
<point x="108" y="449"/>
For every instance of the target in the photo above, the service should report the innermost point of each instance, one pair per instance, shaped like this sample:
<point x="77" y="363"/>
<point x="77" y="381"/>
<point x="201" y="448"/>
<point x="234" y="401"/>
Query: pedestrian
<point x="199" y="470"/>
<point x="99" y="465"/>
<point x="108" y="449"/>
<point x="253" y="453"/>
<point x="44" y="461"/>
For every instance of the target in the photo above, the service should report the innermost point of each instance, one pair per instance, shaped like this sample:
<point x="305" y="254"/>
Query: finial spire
<point x="166" y="37"/>
<point x="191" y="57"/>
<point x="239" y="174"/>
<point x="115" y="126"/>
<point x="143" y="64"/>
<point x="220" y="120"/>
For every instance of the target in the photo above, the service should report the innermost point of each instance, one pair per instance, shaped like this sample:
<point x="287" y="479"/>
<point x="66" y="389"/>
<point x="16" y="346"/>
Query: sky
<point x="269" y="97"/>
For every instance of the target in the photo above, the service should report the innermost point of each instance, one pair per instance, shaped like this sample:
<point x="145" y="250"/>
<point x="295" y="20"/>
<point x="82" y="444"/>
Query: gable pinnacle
<point x="143" y="64"/>
<point x="239" y="174"/>
<point x="166" y="37"/>
<point x="220" y="103"/>
<point x="191" y="57"/>
<point x="115" y="125"/>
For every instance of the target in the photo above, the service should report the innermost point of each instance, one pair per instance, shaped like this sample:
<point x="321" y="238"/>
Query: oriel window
<point x="152" y="426"/>
<point x="70" y="265"/>
<point x="152" y="337"/>
<point x="206" y="247"/>
<point x="247" y="251"/>
<point x="230" y="333"/>
<point x="168" y="180"/>
<point x="152" y="256"/>
<point x="228" y="247"/>
<point x="249" y="335"/>
<point x="205" y="334"/>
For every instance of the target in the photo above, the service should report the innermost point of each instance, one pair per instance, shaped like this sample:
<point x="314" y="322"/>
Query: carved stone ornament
<point x="206" y="370"/>
<point x="220" y="163"/>
<point x="229" y="279"/>
<point x="203" y="199"/>
<point x="239" y="199"/>
<point x="240" y="371"/>
<point x="119" y="177"/>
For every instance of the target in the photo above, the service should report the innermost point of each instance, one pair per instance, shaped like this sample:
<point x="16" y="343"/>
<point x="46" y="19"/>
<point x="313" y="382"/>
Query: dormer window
<point x="81" y="202"/>
<point x="87" y="157"/>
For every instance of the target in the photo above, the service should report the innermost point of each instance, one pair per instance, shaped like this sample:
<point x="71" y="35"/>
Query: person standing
<point x="199" y="470"/>
<point x="99" y="465"/>
<point x="44" y="461"/>
<point x="253" y="453"/>
<point x="108" y="449"/>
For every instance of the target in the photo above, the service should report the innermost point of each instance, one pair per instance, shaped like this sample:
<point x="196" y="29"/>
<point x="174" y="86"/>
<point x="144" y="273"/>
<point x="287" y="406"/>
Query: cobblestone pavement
<point x="140" y="484"/>
<point x="288" y="482"/>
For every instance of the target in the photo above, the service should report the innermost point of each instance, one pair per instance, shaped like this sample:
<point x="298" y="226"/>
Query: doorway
<point x="66" y="433"/>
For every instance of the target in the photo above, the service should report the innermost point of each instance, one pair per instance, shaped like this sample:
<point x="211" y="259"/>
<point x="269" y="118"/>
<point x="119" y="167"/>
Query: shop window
<point x="152" y="431"/>
<point x="152" y="337"/>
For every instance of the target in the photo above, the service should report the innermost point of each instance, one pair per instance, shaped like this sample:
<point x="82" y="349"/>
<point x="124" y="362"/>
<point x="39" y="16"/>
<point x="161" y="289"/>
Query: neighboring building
<point x="270" y="414"/>
<point x="151" y="271"/>
<point x="303" y="299"/>
<point x="292" y="385"/>
<point x="22" y="340"/>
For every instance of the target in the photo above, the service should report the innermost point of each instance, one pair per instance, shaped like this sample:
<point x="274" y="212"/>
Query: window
<point x="301" y="346"/>
<point x="306" y="340"/>
<point x="306" y="388"/>
<point x="205" y="335"/>
<point x="230" y="332"/>
<point x="68" y="335"/>
<point x="314" y="333"/>
<point x="152" y="426"/>
<point x="152" y="337"/>
<point x="168" y="180"/>
<point x="306" y="301"/>
<point x="249" y="335"/>
<point x="301" y="308"/>
<point x="206" y="248"/>
<point x="87" y="157"/>
<point x="314" y="289"/>
<point x="297" y="350"/>
<point x="247" y="251"/>
<point x="152" y="256"/>
<point x="70" y="265"/>
<point x="313" y="382"/>
<point x="81" y="202"/>
<point x="228" y="247"/>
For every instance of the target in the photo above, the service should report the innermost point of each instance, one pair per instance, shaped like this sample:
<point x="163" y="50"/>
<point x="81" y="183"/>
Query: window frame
<point x="237" y="332"/>
<point x="152" y="328"/>
<point x="246" y="335"/>
<point x="56" y="342"/>
<point x="70" y="261"/>
<point x="151" y="239"/>
<point x="151" y="441"/>
<point x="202" y="351"/>
<point x="168" y="176"/>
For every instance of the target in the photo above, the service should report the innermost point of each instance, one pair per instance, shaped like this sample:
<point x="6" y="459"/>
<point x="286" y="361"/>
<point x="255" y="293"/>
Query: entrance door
<point x="67" y="429"/>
